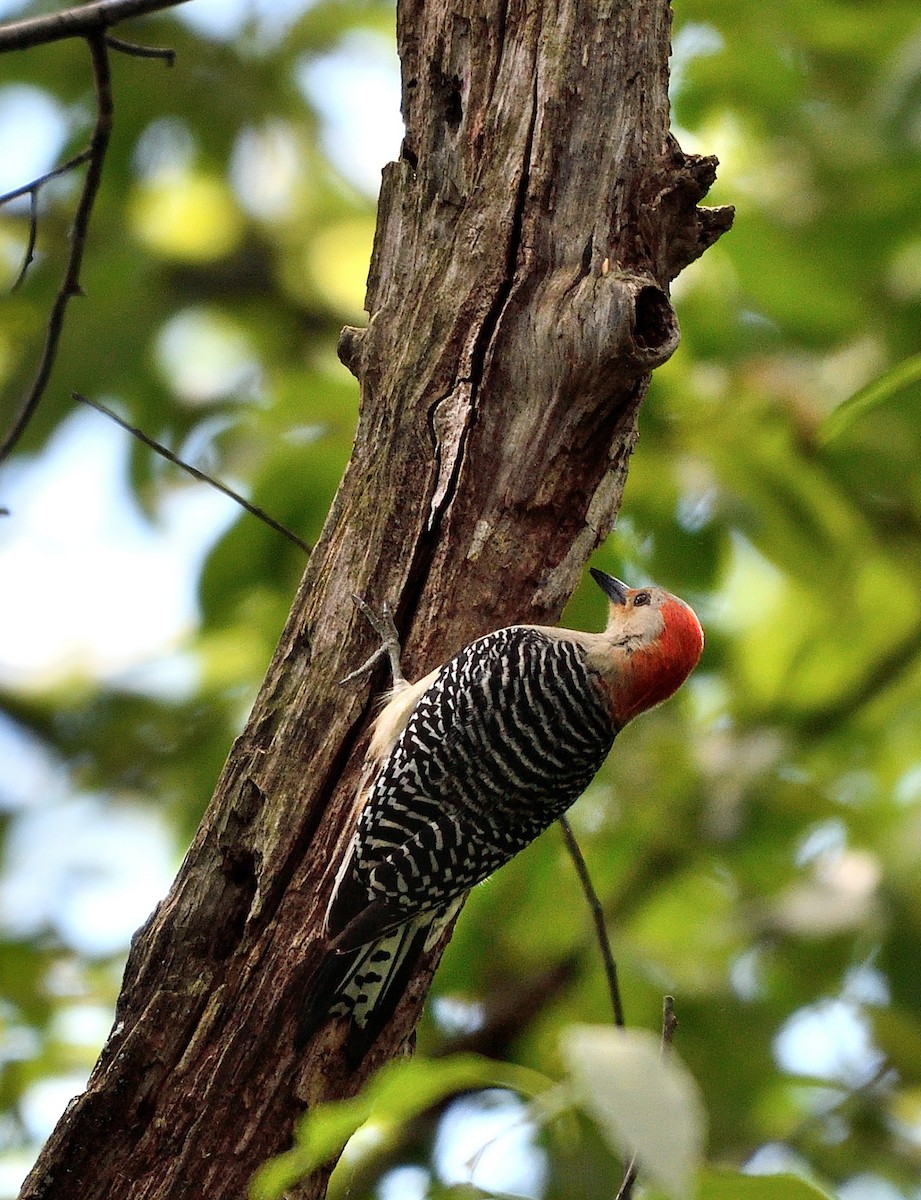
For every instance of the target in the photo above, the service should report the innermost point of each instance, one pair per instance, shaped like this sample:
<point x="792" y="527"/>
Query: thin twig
<point x="29" y="255"/>
<point x="626" y="1188"/>
<point x="35" y="184"/>
<point x="194" y="472"/>
<point x="32" y="189"/>
<point x="669" y="1022"/>
<point x="70" y="285"/>
<point x="138" y="51"/>
<point x="669" y="1025"/>
<point x="85" y="21"/>
<point x="594" y="904"/>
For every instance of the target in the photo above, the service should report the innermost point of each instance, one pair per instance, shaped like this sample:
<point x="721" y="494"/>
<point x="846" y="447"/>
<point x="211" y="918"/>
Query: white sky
<point x="88" y="587"/>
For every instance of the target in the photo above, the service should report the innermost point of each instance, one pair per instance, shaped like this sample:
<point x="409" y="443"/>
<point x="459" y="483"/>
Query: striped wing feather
<point x="503" y="740"/>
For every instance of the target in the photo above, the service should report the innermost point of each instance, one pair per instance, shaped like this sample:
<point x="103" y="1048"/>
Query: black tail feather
<point x="362" y="1036"/>
<point x="363" y="986"/>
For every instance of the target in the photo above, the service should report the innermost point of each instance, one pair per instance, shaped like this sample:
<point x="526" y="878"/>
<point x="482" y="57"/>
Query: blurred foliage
<point x="402" y="1090"/>
<point x="756" y="842"/>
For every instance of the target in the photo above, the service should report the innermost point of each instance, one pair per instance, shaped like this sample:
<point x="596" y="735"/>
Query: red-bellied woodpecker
<point x="469" y="765"/>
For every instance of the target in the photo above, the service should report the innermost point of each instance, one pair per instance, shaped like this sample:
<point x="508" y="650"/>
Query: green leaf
<point x="872" y="396"/>
<point x="715" y="1184"/>
<point x="645" y="1103"/>
<point x="730" y="1185"/>
<point x="898" y="1035"/>
<point x="400" y="1091"/>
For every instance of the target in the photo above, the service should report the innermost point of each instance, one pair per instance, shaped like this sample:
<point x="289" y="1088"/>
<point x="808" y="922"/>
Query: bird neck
<point x="638" y="676"/>
<point x="639" y="680"/>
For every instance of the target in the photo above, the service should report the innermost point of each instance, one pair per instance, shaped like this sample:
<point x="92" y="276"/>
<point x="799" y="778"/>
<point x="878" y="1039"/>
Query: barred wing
<point x="509" y="734"/>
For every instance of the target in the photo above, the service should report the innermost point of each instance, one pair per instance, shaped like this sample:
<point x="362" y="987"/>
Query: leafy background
<point x="756" y="841"/>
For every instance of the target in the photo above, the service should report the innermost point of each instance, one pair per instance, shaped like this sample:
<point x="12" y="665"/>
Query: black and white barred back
<point x="506" y="738"/>
<point x="510" y="733"/>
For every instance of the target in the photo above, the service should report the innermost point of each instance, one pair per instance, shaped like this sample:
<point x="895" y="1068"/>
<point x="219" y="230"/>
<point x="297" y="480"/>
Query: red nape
<point x="658" y="671"/>
<point x="682" y="639"/>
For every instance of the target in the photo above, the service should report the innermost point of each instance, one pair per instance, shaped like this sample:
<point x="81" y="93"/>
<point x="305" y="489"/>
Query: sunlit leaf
<point x="646" y="1104"/>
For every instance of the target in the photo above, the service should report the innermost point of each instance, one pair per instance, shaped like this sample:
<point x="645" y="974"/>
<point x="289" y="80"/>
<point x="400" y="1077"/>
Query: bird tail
<point x="365" y="985"/>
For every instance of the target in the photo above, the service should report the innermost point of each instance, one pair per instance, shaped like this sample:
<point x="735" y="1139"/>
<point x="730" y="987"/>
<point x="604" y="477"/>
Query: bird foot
<point x="389" y="648"/>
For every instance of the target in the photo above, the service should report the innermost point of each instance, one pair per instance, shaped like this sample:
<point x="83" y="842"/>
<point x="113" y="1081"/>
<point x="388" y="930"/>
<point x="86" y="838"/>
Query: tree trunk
<point x="518" y="301"/>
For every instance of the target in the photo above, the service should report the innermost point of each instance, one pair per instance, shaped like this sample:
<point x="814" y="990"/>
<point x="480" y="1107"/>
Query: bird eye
<point x="640" y="598"/>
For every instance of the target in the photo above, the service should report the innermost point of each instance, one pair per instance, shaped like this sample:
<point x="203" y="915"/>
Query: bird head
<point x="655" y="641"/>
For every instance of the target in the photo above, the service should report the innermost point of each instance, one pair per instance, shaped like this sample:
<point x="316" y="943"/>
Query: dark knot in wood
<point x="349" y="348"/>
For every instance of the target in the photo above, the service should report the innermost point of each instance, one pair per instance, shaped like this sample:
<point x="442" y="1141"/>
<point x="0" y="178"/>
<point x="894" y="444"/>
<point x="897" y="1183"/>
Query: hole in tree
<point x="587" y="255"/>
<point x="654" y="323"/>
<point x="452" y="104"/>
<point x="409" y="155"/>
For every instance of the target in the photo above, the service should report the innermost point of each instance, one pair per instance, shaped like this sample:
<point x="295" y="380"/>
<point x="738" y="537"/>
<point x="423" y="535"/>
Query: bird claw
<point x="389" y="648"/>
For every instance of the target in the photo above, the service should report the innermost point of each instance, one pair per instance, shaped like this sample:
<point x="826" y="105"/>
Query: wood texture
<point x="518" y="301"/>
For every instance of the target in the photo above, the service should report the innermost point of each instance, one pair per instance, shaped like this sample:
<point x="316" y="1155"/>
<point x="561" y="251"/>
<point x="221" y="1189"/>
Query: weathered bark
<point x="518" y="301"/>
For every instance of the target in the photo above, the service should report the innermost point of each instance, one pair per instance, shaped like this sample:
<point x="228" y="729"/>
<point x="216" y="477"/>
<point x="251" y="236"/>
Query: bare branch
<point x="31" y="190"/>
<point x="30" y="244"/>
<point x="70" y="285"/>
<point x="138" y="51"/>
<point x="601" y="931"/>
<point x="76" y="22"/>
<point x="254" y="509"/>
<point x="35" y="184"/>
<point x="669" y="1022"/>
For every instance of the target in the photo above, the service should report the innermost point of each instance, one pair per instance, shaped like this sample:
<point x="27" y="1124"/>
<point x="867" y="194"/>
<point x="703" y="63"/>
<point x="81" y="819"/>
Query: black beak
<point x="615" y="591"/>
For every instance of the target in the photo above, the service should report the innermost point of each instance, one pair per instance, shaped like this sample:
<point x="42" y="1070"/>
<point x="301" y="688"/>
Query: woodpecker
<point x="467" y="766"/>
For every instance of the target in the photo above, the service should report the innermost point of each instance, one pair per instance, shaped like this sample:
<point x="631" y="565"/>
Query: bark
<point x="518" y="301"/>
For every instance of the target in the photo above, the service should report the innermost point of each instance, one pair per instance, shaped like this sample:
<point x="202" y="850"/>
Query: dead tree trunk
<point x="518" y="298"/>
